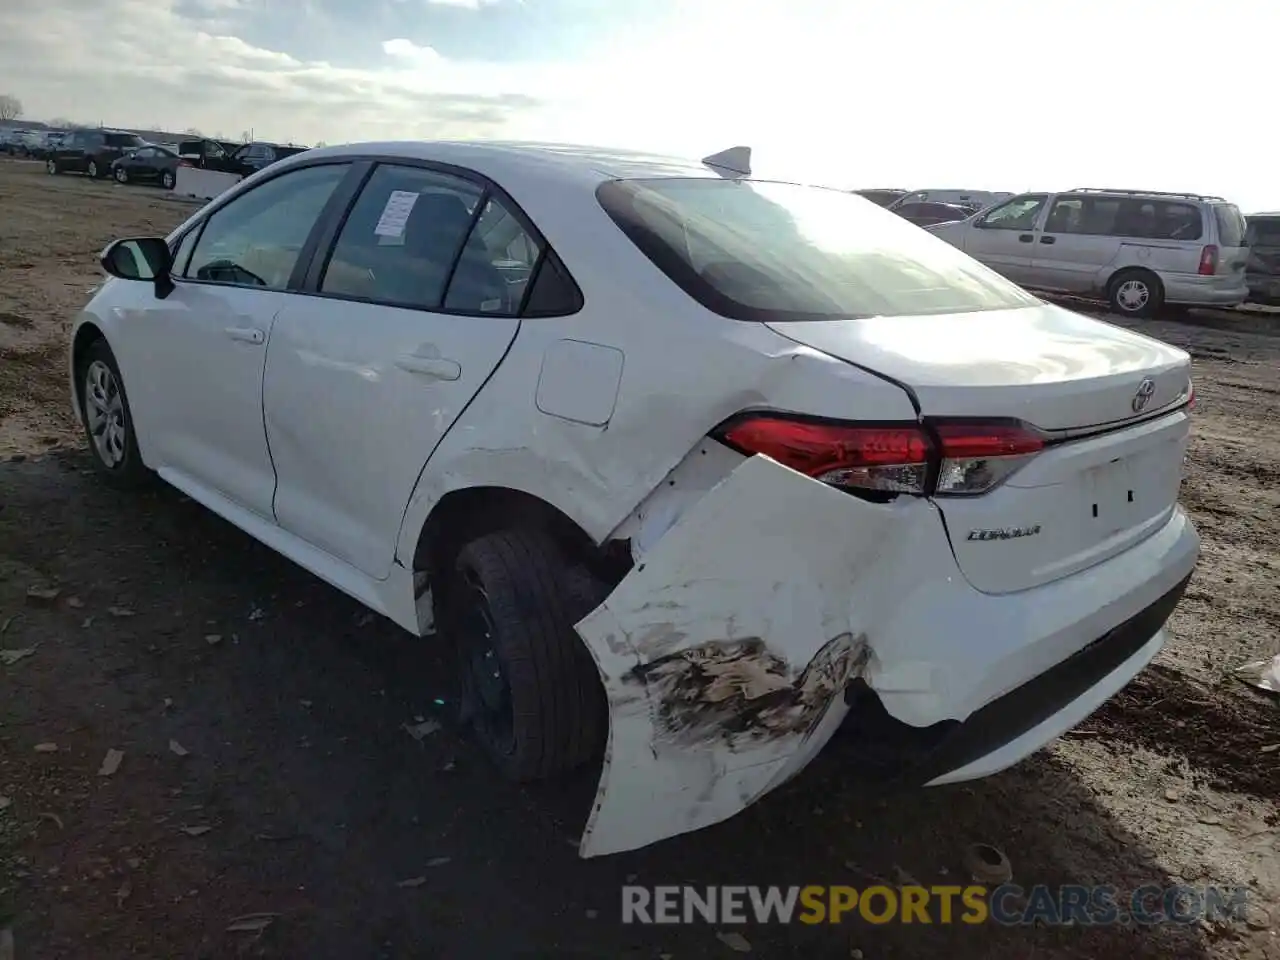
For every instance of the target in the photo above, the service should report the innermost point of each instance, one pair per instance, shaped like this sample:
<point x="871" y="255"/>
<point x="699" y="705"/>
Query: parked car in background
<point x="148" y="164"/>
<point x="91" y="151"/>
<point x="249" y="158"/>
<point x="924" y="213"/>
<point x="885" y="489"/>
<point x="204" y="152"/>
<point x="1262" y="272"/>
<point x="881" y="197"/>
<point x="974" y="199"/>
<point x="1138" y="249"/>
<point x="39" y="145"/>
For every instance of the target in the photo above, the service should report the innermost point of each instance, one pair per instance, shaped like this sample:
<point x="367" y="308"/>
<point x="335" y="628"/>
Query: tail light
<point x="978" y="456"/>
<point x="1208" y="261"/>
<point x="947" y="458"/>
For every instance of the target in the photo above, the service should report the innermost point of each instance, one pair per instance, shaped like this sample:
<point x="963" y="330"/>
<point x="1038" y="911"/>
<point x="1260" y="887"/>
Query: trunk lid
<point x="1082" y="499"/>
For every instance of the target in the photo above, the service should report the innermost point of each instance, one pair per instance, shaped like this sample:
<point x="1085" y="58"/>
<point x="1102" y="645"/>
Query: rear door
<point x="406" y="319"/>
<point x="1004" y="238"/>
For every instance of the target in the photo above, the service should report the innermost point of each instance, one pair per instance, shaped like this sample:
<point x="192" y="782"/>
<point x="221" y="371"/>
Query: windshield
<point x="1264" y="233"/>
<point x="754" y="250"/>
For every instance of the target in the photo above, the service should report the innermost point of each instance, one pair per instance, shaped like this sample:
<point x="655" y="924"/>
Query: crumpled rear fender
<point x="726" y="650"/>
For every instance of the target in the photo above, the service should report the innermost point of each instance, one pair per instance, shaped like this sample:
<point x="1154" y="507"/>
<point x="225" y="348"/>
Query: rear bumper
<point x="728" y="653"/>
<point x="1042" y="709"/>
<point x="1225" y="291"/>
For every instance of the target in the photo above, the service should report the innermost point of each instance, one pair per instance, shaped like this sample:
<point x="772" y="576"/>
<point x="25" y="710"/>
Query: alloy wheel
<point x="104" y="414"/>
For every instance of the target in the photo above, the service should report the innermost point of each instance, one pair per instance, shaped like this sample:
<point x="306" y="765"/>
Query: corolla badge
<point x="1004" y="533"/>
<point x="1140" y="399"/>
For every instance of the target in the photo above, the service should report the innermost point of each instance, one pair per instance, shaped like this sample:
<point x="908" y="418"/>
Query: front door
<point x="207" y="341"/>
<point x="1005" y="237"/>
<point x="366" y="376"/>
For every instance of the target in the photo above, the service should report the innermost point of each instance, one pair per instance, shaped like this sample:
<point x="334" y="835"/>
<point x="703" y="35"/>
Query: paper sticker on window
<point x="396" y="213"/>
<point x="488" y="305"/>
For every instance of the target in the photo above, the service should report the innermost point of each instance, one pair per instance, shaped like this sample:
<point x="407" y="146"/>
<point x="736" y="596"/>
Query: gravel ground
<point x="295" y="790"/>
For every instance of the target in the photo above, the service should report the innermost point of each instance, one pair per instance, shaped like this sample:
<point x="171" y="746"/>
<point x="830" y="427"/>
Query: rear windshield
<point x="1231" y="225"/>
<point x="1264" y="233"/>
<point x="754" y="250"/>
<point x="123" y="140"/>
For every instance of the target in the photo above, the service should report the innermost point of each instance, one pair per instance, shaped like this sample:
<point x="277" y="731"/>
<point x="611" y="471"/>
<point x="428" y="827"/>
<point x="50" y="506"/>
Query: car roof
<point x="508" y="161"/>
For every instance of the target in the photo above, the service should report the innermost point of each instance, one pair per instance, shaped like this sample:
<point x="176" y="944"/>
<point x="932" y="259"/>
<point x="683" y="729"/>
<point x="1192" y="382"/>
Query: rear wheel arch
<point x="468" y="513"/>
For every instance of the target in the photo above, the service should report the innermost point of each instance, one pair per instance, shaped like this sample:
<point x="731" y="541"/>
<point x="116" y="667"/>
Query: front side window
<point x="1020" y="213"/>
<point x="755" y="250"/>
<point x="255" y="240"/>
<point x="402" y="238"/>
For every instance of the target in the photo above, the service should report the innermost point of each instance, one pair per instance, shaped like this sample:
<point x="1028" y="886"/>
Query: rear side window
<point x="755" y="250"/>
<point x="1231" y="225"/>
<point x="123" y="140"/>
<point x="1139" y="218"/>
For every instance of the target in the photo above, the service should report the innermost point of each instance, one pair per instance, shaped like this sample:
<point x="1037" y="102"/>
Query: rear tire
<point x="167" y="179"/>
<point x="92" y="170"/>
<point x="530" y="689"/>
<point x="1135" y="293"/>
<point x="51" y="167"/>
<point x="107" y="420"/>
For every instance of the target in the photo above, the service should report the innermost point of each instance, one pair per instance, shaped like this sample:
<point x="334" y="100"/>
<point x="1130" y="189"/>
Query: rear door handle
<point x="1048" y="239"/>
<point x="246" y="334"/>
<point x="1025" y="238"/>
<point x="435" y="368"/>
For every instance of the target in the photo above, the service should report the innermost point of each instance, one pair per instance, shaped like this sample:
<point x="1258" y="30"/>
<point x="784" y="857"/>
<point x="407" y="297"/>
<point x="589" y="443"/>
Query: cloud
<point x="176" y="64"/>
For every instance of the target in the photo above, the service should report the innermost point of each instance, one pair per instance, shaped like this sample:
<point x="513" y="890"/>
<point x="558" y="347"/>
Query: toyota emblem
<point x="1140" y="399"/>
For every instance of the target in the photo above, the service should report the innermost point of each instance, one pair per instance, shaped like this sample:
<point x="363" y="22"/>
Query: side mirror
<point x="140" y="258"/>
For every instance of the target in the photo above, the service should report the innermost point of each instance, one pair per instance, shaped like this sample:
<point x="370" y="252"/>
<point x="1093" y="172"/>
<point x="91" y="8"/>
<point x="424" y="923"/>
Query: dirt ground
<point x="267" y="768"/>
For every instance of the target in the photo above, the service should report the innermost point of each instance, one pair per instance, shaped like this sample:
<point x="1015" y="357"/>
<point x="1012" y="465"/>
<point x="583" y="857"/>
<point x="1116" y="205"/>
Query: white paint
<point x="579" y="382"/>
<point x="203" y="184"/>
<point x="396" y="213"/>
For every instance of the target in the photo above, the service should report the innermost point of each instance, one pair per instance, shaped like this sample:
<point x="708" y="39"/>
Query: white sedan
<point x="689" y="468"/>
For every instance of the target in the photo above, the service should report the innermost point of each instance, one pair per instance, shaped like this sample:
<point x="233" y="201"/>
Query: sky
<point x="984" y="94"/>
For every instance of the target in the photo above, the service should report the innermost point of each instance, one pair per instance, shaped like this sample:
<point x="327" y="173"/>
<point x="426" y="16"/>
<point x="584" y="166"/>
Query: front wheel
<point x="166" y="179"/>
<point x="51" y="167"/>
<point x="1135" y="293"/>
<point x="108" y="424"/>
<point x="530" y="689"/>
<point x="122" y="175"/>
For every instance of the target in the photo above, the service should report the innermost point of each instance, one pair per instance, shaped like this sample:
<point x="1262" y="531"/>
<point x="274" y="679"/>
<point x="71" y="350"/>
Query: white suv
<point x="688" y="468"/>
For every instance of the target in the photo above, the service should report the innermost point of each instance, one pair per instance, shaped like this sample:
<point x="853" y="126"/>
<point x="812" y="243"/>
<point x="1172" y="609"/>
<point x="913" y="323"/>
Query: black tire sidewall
<point x="131" y="471"/>
<point x="167" y="180"/>
<point x="532" y="608"/>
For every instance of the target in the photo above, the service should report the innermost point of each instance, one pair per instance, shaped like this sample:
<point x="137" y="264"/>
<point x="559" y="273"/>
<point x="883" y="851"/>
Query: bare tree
<point x="10" y="107"/>
<point x="245" y="136"/>
<point x="192" y="132"/>
<point x="61" y="123"/>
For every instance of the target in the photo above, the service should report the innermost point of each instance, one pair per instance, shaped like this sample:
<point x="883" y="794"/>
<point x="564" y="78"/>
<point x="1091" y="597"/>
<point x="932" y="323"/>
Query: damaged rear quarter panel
<point x="726" y="651"/>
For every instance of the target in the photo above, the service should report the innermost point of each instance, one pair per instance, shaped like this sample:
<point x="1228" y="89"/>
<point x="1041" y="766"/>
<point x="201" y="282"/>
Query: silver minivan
<point x="1138" y="249"/>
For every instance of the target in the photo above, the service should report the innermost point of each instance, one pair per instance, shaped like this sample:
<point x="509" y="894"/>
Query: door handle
<point x="435" y="368"/>
<point x="1048" y="239"/>
<point x="1025" y="238"/>
<point x="246" y="334"/>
